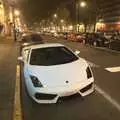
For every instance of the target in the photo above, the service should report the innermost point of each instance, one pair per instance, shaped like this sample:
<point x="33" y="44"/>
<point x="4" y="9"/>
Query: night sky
<point x="35" y="10"/>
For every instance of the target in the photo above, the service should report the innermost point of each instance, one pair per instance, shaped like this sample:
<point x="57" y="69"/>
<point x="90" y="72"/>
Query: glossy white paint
<point x="53" y="78"/>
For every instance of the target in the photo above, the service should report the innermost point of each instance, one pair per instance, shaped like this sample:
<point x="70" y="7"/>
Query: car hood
<point x="57" y="75"/>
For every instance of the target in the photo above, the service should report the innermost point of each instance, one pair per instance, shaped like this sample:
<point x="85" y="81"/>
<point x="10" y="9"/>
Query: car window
<point x="51" y="56"/>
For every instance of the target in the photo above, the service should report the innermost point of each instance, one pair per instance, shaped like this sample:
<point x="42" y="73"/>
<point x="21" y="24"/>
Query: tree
<point x="63" y="13"/>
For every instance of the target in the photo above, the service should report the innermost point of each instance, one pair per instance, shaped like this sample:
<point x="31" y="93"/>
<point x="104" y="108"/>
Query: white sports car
<point x="52" y="71"/>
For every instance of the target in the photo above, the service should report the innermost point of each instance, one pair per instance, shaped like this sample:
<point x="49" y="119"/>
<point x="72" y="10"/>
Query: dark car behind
<point x="29" y="39"/>
<point x="95" y="39"/>
<point x="115" y="42"/>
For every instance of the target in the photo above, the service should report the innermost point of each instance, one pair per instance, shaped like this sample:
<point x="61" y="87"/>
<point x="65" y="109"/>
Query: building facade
<point x="110" y="14"/>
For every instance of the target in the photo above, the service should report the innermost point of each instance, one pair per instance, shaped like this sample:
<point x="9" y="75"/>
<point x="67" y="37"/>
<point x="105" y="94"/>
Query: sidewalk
<point x="107" y="49"/>
<point x="8" y="61"/>
<point x="6" y="40"/>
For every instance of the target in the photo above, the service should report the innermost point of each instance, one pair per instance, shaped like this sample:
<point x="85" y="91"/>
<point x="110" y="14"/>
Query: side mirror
<point x="20" y="58"/>
<point x="77" y="52"/>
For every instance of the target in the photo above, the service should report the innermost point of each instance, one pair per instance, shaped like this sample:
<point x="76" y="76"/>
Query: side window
<point x="26" y="54"/>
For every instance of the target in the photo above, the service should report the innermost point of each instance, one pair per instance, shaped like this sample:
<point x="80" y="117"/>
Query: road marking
<point x="113" y="69"/>
<point x="17" y="115"/>
<point x="108" y="97"/>
<point x="92" y="64"/>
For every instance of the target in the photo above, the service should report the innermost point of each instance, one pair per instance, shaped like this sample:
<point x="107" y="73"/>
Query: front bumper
<point x="49" y="96"/>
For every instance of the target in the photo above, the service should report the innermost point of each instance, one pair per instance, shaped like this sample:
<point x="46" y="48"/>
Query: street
<point x="96" y="106"/>
<point x="76" y="79"/>
<point x="103" y="104"/>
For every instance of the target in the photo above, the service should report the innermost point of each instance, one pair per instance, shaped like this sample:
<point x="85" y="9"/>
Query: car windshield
<point x="51" y="56"/>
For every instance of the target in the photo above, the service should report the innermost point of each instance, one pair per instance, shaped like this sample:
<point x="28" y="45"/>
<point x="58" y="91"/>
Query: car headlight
<point x="35" y="81"/>
<point x="89" y="73"/>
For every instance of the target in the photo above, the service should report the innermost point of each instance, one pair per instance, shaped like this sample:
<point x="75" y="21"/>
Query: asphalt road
<point x="102" y="105"/>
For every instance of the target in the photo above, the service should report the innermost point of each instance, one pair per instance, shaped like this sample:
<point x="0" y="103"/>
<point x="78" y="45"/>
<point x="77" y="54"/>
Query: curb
<point x="6" y="40"/>
<point x="108" y="50"/>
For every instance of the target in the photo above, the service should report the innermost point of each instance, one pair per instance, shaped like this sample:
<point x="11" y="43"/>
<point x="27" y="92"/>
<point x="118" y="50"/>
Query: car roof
<point x="45" y="45"/>
<point x="28" y="34"/>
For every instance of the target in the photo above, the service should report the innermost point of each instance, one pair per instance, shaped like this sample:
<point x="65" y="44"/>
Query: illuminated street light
<point x="62" y="21"/>
<point x="1" y="5"/>
<point x="17" y="12"/>
<point x="80" y="4"/>
<point x="83" y="4"/>
<point x="55" y="15"/>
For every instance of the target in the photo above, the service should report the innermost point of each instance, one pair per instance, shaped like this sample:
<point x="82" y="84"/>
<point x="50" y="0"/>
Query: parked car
<point x="80" y="37"/>
<point x="65" y="35"/>
<point x="53" y="71"/>
<point x="96" y="40"/>
<point x="76" y="37"/>
<point x="115" y="42"/>
<point x="72" y="37"/>
<point x="108" y="35"/>
<point x="100" y="41"/>
<point x="30" y="38"/>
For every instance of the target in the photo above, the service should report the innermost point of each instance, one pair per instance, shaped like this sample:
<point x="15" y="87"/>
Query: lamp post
<point x="16" y="14"/>
<point x="55" y="17"/>
<point x="79" y="4"/>
<point x="83" y="4"/>
<point x="61" y="25"/>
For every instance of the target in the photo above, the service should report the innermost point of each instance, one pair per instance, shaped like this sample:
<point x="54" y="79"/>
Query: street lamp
<point x="62" y="21"/>
<point x="1" y="5"/>
<point x="83" y="4"/>
<point x="55" y="15"/>
<point x="79" y="4"/>
<point x="17" y="13"/>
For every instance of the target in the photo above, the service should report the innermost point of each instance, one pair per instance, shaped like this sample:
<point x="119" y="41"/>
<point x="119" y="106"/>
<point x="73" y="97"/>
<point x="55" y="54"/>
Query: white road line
<point x="113" y="69"/>
<point x="108" y="97"/>
<point x="92" y="64"/>
<point x="17" y="115"/>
